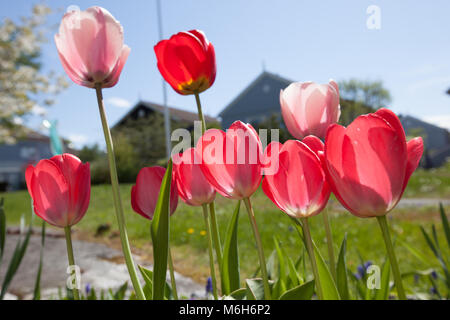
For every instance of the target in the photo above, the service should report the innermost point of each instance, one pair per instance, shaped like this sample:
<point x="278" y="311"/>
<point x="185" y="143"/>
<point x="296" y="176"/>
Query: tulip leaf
<point x="329" y="289"/>
<point x="147" y="275"/>
<point x="383" y="292"/>
<point x="239" y="294"/>
<point x="16" y="259"/>
<point x="341" y="271"/>
<point x="255" y="289"/>
<point x="294" y="277"/>
<point x="230" y="261"/>
<point x="302" y="292"/>
<point x="2" y="229"/>
<point x="280" y="285"/>
<point x="445" y="223"/>
<point x="37" y="285"/>
<point x="160" y="235"/>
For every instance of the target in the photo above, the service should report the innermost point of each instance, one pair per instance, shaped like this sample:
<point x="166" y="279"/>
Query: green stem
<point x="200" y="112"/>
<point x="172" y="276"/>
<point x="330" y="244"/>
<point x="210" y="250"/>
<point x="75" y="292"/>
<point x="391" y="253"/>
<point x="312" y="257"/>
<point x="215" y="233"/>
<point x="262" y="260"/>
<point x="116" y="197"/>
<point x="214" y="225"/>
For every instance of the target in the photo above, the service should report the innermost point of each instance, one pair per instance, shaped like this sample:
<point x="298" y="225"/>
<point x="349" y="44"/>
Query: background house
<point x="14" y="158"/>
<point x="143" y="109"/>
<point x="260" y="101"/>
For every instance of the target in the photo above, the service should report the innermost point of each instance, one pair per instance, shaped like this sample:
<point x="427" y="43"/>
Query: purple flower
<point x="209" y="287"/>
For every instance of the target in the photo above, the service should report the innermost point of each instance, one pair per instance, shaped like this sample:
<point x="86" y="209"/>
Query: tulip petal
<point x="50" y="193"/>
<point x="415" y="151"/>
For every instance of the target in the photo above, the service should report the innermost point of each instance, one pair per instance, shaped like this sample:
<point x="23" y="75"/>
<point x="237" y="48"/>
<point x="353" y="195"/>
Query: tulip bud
<point x="90" y="47"/>
<point x="60" y="188"/>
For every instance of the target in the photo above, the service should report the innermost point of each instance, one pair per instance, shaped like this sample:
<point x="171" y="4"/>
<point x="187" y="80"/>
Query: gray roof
<point x="175" y="113"/>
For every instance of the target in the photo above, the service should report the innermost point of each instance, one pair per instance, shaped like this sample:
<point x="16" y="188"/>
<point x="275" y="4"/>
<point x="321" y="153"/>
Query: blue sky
<point x="299" y="40"/>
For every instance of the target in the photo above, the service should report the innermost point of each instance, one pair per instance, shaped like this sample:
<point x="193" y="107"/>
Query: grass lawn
<point x="190" y="249"/>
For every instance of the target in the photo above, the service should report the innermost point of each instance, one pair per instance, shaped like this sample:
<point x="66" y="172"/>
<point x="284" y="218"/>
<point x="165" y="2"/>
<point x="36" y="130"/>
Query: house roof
<point x="258" y="79"/>
<point x="175" y="113"/>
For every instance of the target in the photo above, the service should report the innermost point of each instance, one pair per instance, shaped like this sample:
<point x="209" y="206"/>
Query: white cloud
<point x="118" y="102"/>
<point x="442" y="120"/>
<point x="39" y="110"/>
<point x="78" y="140"/>
<point x="439" y="81"/>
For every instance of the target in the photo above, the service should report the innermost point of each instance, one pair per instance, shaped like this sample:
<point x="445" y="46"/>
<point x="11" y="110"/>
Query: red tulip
<point x="60" y="188"/>
<point x="193" y="188"/>
<point x="144" y="195"/>
<point x="231" y="161"/>
<point x="90" y="47"/>
<point x="309" y="108"/>
<point x="299" y="187"/>
<point x="187" y="62"/>
<point x="369" y="163"/>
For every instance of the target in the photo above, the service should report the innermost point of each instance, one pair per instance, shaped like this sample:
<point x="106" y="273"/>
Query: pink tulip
<point x="144" y="195"/>
<point x="369" y="163"/>
<point x="299" y="187"/>
<point x="90" y="47"/>
<point x="193" y="188"/>
<point x="231" y="161"/>
<point x="309" y="108"/>
<point x="60" y="188"/>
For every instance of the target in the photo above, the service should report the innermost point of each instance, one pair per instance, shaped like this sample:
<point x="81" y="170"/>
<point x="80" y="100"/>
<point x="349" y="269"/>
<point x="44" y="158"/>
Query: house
<point x="436" y="140"/>
<point x="260" y="100"/>
<point x="144" y="108"/>
<point x="256" y="103"/>
<point x="14" y="158"/>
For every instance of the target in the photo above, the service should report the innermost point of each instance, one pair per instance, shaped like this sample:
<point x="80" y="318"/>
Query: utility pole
<point x="164" y="87"/>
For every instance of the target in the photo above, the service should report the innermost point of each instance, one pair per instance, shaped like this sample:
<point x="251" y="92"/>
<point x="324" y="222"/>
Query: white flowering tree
<point x="24" y="88"/>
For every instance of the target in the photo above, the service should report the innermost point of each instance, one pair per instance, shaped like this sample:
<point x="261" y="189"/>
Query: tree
<point x="361" y="97"/>
<point x="24" y="88"/>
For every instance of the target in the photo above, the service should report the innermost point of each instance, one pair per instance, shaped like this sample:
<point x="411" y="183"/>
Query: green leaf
<point x="148" y="288"/>
<point x="301" y="292"/>
<point x="329" y="289"/>
<point x="280" y="285"/>
<point x="294" y="277"/>
<point x="2" y="229"/>
<point x="445" y="223"/>
<point x="341" y="271"/>
<point x="255" y="289"/>
<point x="16" y="259"/>
<point x="239" y="294"/>
<point x="160" y="235"/>
<point x="120" y="293"/>
<point x="37" y="285"/>
<point x="383" y="292"/>
<point x="230" y="261"/>
<point x="271" y="265"/>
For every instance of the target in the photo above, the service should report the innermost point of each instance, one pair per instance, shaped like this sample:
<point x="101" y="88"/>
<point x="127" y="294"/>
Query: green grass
<point x="364" y="236"/>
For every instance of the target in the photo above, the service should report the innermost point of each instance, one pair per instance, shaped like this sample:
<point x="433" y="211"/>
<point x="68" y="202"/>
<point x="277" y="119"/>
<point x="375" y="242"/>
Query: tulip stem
<point x="214" y="225"/>
<point x="210" y="250"/>
<point x="329" y="243"/>
<point x="116" y="197"/>
<point x="262" y="260"/>
<point x="216" y="235"/>
<point x="392" y="258"/>
<point x="172" y="276"/>
<point x="200" y="112"/>
<point x="309" y="247"/>
<point x="76" y="295"/>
